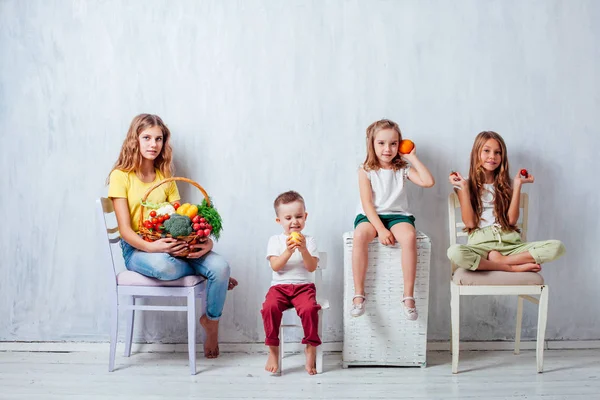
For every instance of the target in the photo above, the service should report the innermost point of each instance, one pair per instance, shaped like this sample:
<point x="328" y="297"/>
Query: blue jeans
<point x="165" y="267"/>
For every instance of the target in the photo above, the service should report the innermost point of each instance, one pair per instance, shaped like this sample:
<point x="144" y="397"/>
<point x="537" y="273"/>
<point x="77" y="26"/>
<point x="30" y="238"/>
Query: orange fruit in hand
<point x="406" y="146"/>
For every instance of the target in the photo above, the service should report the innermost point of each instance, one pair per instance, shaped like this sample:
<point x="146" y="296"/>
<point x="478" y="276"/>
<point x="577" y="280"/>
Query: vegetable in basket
<point x="210" y="213"/>
<point x="166" y="209"/>
<point x="178" y="225"/>
<point x="190" y="210"/>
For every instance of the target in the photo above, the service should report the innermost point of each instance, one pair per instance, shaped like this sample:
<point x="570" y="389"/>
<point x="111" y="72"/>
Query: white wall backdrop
<point x="266" y="96"/>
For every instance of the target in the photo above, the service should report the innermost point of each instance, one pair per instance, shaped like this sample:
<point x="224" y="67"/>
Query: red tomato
<point x="176" y="205"/>
<point x="524" y="173"/>
<point x="196" y="227"/>
<point x="161" y="219"/>
<point x="153" y="213"/>
<point x="147" y="224"/>
<point x="206" y="232"/>
<point x="196" y="219"/>
<point x="166" y="216"/>
<point x="202" y="219"/>
<point x="200" y="233"/>
<point x="154" y="221"/>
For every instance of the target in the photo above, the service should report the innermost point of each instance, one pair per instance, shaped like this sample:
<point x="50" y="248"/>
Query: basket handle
<point x="167" y="180"/>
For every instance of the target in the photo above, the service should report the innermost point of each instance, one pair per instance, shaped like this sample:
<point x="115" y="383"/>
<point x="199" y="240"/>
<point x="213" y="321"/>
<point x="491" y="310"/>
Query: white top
<point x="488" y="196"/>
<point x="389" y="196"/>
<point x="294" y="272"/>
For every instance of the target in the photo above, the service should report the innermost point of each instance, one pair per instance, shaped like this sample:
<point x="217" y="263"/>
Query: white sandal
<point x="410" y="312"/>
<point x="358" y="309"/>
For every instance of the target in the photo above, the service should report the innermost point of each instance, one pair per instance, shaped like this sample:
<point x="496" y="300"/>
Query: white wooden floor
<point x="490" y="375"/>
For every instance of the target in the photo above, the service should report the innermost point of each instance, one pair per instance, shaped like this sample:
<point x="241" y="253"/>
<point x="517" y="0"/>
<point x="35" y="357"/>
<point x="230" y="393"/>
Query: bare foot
<point x="273" y="360"/>
<point x="529" y="267"/>
<point x="495" y="256"/>
<point x="211" y="344"/>
<point x="311" y="359"/>
<point x="232" y="283"/>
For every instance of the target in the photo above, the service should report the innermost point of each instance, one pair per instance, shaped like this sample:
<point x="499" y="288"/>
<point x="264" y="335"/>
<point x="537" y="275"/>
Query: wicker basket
<point x="383" y="336"/>
<point x="151" y="235"/>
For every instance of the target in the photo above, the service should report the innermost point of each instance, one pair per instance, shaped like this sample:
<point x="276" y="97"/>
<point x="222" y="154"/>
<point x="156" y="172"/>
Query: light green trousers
<point x="484" y="240"/>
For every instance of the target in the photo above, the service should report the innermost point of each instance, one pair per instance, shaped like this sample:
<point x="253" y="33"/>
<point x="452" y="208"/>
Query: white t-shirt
<point x="294" y="272"/>
<point x="488" y="197"/>
<point x="389" y="196"/>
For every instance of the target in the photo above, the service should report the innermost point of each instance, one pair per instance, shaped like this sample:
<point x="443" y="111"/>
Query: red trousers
<point x="281" y="297"/>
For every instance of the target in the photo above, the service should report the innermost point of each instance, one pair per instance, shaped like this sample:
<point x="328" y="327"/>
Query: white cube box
<point x="383" y="335"/>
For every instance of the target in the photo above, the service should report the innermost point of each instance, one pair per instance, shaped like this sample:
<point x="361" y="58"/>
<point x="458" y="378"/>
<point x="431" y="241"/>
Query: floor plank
<point x="493" y="375"/>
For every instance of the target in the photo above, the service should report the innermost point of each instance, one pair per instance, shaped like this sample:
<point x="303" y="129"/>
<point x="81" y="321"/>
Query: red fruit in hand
<point x="524" y="173"/>
<point x="196" y="227"/>
<point x="196" y="220"/>
<point x="200" y="233"/>
<point x="153" y="213"/>
<point x="206" y="232"/>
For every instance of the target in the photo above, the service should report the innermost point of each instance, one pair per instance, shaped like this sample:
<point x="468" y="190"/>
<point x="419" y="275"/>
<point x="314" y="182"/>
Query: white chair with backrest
<point x="291" y="320"/>
<point x="128" y="286"/>
<point x="475" y="283"/>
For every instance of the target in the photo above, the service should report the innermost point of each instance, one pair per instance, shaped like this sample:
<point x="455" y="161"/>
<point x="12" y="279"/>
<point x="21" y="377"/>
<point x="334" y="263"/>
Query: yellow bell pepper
<point x="191" y="210"/>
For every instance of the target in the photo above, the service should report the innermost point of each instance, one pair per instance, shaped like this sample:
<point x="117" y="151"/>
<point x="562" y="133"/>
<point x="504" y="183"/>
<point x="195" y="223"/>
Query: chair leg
<point x="320" y="348"/>
<point x="455" y="321"/>
<point x="130" y="300"/>
<point x="114" y="329"/>
<point x="191" y="322"/>
<point x="280" y="371"/>
<point x="541" y="333"/>
<point x="519" y="325"/>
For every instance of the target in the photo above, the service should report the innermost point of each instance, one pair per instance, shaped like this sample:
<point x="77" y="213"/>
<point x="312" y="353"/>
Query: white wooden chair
<point x="291" y="320"/>
<point x="475" y="283"/>
<point x="131" y="286"/>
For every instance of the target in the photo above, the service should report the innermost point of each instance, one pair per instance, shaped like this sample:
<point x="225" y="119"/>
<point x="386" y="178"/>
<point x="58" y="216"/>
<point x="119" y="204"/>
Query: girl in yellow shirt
<point x="146" y="158"/>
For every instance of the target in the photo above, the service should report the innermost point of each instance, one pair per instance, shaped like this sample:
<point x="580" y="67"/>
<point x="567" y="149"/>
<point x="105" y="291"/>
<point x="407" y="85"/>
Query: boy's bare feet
<point x="273" y="360"/>
<point x="311" y="359"/>
<point x="529" y="267"/>
<point x="211" y="344"/>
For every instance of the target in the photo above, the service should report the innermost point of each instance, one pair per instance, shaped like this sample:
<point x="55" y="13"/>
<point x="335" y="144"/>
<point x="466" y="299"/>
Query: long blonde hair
<point x="130" y="158"/>
<point x="502" y="182"/>
<point x="371" y="162"/>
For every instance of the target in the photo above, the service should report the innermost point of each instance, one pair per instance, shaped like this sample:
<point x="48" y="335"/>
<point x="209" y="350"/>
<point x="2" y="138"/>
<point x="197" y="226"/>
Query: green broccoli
<point x="178" y="225"/>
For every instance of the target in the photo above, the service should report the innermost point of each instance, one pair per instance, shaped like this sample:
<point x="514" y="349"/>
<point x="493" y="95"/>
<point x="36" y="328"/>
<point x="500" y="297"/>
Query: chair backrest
<point x="318" y="275"/>
<point x="110" y="230"/>
<point x="456" y="227"/>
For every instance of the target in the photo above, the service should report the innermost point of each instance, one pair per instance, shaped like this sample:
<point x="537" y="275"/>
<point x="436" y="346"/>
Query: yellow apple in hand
<point x="296" y="236"/>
